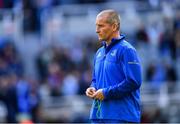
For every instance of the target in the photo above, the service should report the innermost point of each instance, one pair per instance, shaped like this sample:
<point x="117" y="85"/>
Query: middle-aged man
<point x="116" y="77"/>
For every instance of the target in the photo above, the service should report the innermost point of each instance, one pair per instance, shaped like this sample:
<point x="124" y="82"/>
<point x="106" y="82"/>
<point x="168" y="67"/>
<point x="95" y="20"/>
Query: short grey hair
<point x="112" y="17"/>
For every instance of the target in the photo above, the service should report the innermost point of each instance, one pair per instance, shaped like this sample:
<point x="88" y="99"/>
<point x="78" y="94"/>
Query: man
<point x="116" y="78"/>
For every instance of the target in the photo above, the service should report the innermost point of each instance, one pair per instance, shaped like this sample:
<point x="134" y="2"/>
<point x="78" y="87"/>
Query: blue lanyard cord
<point x="98" y="106"/>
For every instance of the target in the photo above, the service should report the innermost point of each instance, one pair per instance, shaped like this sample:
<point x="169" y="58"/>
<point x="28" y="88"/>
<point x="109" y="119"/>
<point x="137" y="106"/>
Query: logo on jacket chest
<point x="113" y="53"/>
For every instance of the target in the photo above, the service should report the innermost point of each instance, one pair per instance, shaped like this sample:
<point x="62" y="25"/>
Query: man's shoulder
<point x="100" y="49"/>
<point x="126" y="45"/>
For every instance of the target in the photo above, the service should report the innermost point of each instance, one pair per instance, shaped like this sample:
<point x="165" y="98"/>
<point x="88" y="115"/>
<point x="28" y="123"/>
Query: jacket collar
<point x="113" y="42"/>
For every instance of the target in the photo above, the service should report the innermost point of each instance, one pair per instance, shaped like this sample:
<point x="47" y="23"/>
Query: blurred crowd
<point x="162" y="47"/>
<point x="61" y="72"/>
<point x="65" y="71"/>
<point x="19" y="94"/>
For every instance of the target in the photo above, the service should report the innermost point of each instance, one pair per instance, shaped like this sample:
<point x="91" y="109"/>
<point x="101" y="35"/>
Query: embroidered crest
<point x="113" y="53"/>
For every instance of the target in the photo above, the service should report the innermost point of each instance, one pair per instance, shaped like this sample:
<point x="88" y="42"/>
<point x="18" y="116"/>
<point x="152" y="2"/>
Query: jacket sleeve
<point x="132" y="71"/>
<point x="93" y="82"/>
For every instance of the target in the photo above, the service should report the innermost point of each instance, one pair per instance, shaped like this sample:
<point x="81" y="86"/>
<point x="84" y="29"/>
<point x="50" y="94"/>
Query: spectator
<point x="55" y="78"/>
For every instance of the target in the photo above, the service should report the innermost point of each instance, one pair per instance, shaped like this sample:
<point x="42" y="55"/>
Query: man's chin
<point x="100" y="40"/>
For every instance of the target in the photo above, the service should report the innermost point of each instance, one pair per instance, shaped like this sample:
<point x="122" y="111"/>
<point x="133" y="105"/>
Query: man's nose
<point x="97" y="30"/>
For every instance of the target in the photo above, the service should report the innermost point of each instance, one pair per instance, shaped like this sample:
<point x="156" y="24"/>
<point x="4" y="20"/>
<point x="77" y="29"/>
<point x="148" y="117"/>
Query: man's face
<point x="103" y="29"/>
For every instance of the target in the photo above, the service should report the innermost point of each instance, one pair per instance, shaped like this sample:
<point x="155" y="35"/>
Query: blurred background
<point x="47" y="49"/>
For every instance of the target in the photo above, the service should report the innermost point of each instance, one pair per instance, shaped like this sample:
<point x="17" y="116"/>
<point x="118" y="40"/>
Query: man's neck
<point x="117" y="36"/>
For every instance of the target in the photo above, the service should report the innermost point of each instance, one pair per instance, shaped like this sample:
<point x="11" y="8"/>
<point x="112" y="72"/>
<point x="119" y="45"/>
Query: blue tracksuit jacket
<point x="117" y="71"/>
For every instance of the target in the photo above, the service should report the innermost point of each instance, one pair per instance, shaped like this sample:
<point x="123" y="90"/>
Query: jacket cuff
<point x="104" y="90"/>
<point x="92" y="85"/>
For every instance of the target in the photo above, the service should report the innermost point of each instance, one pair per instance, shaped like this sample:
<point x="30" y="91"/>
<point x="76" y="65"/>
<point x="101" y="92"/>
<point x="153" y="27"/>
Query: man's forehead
<point x="100" y="19"/>
<point x="103" y="15"/>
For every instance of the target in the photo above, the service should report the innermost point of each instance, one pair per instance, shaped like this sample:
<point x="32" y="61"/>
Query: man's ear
<point x="114" y="27"/>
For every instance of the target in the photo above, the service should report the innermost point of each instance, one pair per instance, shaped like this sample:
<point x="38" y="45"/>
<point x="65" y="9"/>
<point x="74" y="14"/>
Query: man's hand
<point x="98" y="95"/>
<point x="90" y="92"/>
